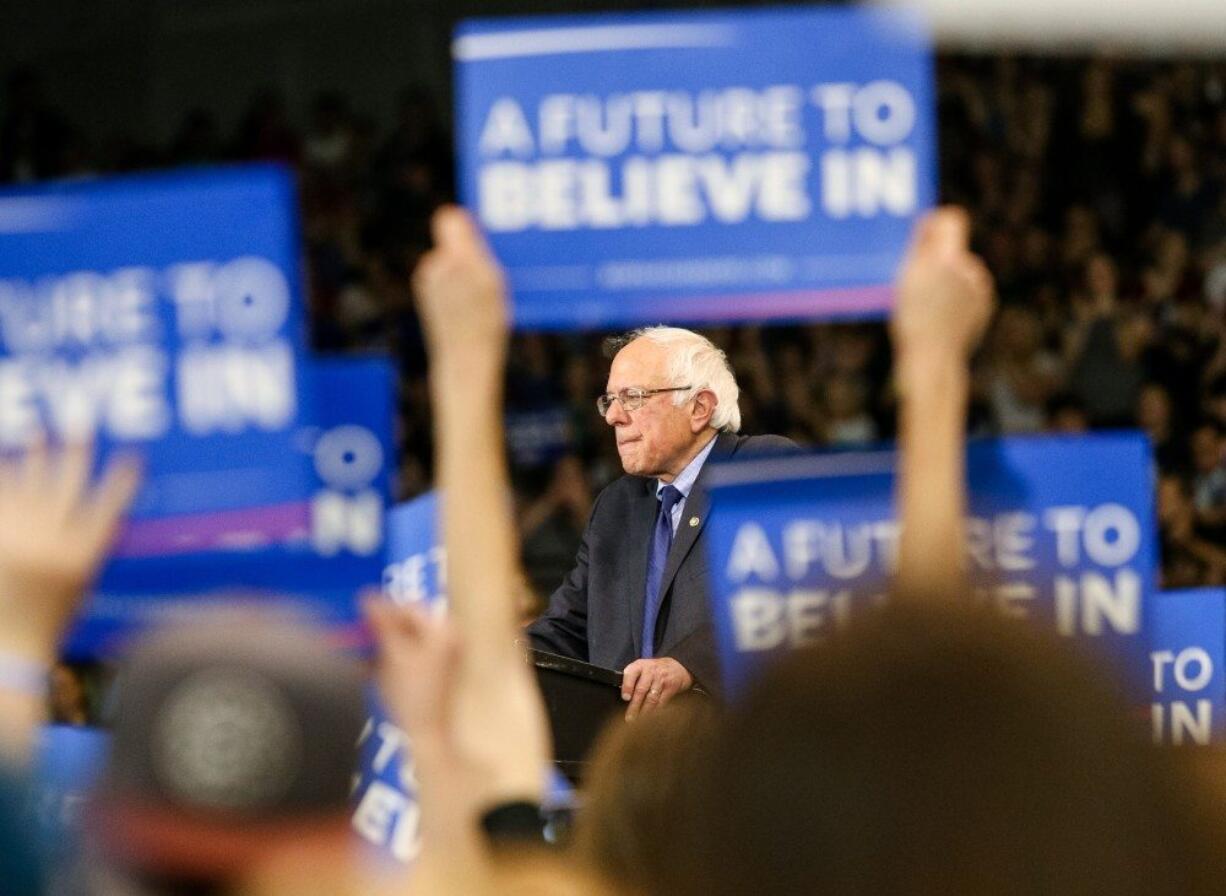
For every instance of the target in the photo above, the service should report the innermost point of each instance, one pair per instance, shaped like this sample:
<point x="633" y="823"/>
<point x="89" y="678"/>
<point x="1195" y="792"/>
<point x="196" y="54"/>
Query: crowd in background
<point x="1098" y="190"/>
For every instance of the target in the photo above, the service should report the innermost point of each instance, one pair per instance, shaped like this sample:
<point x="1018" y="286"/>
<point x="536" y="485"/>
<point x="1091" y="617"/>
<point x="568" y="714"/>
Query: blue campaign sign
<point x="385" y="810"/>
<point x="1060" y="530"/>
<point x="319" y="567"/>
<point x="415" y="569"/>
<point x="67" y="763"/>
<point x="163" y="313"/>
<point x="352" y="454"/>
<point x="386" y="814"/>
<point x="708" y="166"/>
<point x="1187" y="654"/>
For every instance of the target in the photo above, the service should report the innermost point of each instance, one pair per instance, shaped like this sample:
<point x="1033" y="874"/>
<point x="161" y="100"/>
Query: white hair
<point x="696" y="361"/>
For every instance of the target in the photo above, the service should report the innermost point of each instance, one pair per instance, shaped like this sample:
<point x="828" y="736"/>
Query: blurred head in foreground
<point x="939" y="751"/>
<point x="234" y="743"/>
<point x="636" y="781"/>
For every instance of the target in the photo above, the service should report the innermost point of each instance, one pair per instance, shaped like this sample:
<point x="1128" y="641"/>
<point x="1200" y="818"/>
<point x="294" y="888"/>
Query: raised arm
<point x="472" y="709"/>
<point x="462" y="300"/>
<point x="945" y="298"/>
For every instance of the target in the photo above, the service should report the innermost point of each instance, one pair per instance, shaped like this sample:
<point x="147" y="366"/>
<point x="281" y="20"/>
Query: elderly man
<point x="637" y="597"/>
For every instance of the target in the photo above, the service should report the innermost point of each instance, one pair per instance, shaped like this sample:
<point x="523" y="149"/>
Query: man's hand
<point x="54" y="531"/>
<point x="460" y="291"/>
<point x="649" y="684"/>
<point x="944" y="291"/>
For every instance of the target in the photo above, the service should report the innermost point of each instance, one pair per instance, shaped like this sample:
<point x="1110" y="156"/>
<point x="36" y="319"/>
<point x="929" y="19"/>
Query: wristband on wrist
<point x="23" y="675"/>
<point x="514" y="822"/>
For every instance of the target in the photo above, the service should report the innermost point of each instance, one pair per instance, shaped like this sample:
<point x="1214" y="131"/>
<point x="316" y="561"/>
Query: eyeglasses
<point x="631" y="399"/>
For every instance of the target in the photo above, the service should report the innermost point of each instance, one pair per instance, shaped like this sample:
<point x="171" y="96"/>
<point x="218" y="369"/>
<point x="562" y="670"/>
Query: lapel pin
<point x="694" y="521"/>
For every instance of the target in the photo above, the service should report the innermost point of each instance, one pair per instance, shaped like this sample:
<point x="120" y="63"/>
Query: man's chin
<point x="632" y="464"/>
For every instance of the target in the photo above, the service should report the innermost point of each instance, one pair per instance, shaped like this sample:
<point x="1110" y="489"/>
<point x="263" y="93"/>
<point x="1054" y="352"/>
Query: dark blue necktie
<point x="661" y="541"/>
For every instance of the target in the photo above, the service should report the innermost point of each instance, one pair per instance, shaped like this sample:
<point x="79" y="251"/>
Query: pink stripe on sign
<point x="846" y="302"/>
<point x="245" y="529"/>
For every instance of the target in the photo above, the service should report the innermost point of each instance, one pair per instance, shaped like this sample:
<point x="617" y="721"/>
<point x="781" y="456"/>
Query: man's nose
<point x="616" y="414"/>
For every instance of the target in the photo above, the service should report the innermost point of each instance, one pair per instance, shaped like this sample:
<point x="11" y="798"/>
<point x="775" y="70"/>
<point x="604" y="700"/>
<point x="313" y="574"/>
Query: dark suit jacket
<point x="596" y="615"/>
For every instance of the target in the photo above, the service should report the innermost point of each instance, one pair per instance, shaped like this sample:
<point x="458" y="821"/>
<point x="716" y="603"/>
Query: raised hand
<point x="466" y="760"/>
<point x="55" y="529"/>
<point x="421" y="680"/>
<point x="460" y="291"/>
<point x="944" y="292"/>
<point x="943" y="306"/>
<point x="418" y="667"/>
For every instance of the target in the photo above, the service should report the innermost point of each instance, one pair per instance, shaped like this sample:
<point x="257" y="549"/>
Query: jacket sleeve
<point x="562" y="629"/>
<point x="697" y="651"/>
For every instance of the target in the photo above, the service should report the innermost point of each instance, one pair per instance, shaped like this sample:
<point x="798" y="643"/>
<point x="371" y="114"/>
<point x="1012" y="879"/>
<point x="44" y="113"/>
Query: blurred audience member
<point x="233" y="748"/>
<point x="1209" y="480"/>
<point x="940" y="752"/>
<point x="1188" y="559"/>
<point x="1023" y="376"/>
<point x="636" y="794"/>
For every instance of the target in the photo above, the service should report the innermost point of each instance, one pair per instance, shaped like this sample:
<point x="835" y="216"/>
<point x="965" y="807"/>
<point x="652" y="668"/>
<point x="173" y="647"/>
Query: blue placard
<point x="385" y="812"/>
<point x="67" y="763"/>
<point x="415" y="568"/>
<point x="352" y="455"/>
<point x="1060" y="531"/>
<point x="1187" y="652"/>
<point x="713" y="166"/>
<point x="318" y="568"/>
<point x="164" y="313"/>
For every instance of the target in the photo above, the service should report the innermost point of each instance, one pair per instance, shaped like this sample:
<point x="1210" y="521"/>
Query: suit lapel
<point x="695" y="509"/>
<point x="641" y="524"/>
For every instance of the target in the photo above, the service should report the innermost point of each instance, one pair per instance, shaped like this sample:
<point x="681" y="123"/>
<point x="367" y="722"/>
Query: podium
<point x="580" y="699"/>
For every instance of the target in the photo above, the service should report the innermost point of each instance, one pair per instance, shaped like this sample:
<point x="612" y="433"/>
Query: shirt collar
<point x="685" y="480"/>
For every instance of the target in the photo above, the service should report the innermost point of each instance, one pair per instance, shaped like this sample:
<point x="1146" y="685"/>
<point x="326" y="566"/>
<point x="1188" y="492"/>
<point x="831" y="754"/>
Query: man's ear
<point x="704" y="406"/>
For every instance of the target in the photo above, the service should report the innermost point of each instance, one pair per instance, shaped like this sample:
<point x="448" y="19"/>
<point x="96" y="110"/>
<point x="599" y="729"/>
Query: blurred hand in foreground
<point x="418" y="669"/>
<point x="461" y="294"/>
<point x="421" y="680"/>
<point x="944" y="302"/>
<point x="479" y="756"/>
<point x="944" y="291"/>
<point x="55" y="529"/>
